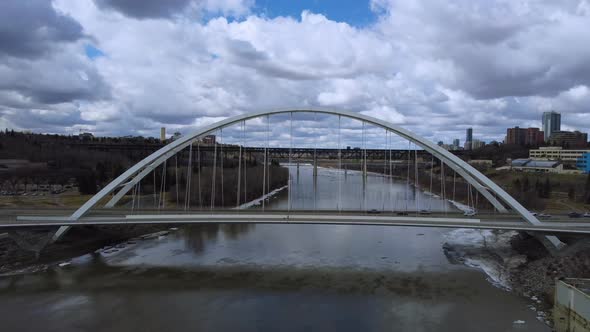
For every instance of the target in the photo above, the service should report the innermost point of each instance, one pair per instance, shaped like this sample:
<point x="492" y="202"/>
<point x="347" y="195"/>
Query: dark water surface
<point x="267" y="278"/>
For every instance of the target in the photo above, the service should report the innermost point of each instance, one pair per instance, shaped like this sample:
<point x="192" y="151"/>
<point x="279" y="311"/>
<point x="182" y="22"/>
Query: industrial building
<point x="538" y="166"/>
<point x="556" y="153"/>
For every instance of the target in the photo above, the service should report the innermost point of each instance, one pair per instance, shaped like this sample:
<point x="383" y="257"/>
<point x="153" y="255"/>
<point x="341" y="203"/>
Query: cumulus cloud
<point x="497" y="49"/>
<point x="145" y="8"/>
<point x="434" y="67"/>
<point x="173" y="8"/>
<point x="43" y="72"/>
<point x="31" y="28"/>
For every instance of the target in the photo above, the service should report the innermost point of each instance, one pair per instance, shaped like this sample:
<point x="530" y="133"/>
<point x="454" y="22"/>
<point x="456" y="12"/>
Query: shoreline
<point x="25" y="250"/>
<point x="511" y="260"/>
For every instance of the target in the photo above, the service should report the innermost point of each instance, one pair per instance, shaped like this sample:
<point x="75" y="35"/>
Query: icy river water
<point x="275" y="277"/>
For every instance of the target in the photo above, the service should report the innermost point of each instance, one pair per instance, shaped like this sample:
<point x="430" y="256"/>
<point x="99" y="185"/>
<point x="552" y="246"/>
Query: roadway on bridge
<point x="449" y="220"/>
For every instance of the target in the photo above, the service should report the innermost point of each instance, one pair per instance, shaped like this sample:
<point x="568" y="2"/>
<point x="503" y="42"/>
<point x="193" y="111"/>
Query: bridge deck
<point x="505" y="223"/>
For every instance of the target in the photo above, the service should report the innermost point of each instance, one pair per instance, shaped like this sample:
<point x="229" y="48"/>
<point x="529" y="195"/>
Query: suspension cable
<point x="390" y="174"/>
<point x="289" y="183"/>
<point x="245" y="166"/>
<point x="264" y="170"/>
<point x="268" y="154"/>
<point x="339" y="164"/>
<point x="214" y="175"/>
<point x="469" y="195"/>
<point x="238" y="192"/>
<point x="408" y="176"/>
<point x="431" y="176"/>
<point x="176" y="177"/>
<point x="199" y="168"/>
<point x="133" y="192"/>
<point x="189" y="173"/>
<point x="315" y="165"/>
<point x="416" y="182"/>
<point x="384" y="172"/>
<point x="364" y="171"/>
<point x="443" y="179"/>
<point x="162" y="197"/>
<point x="155" y="188"/>
<point x="454" y="184"/>
<point x="221" y="162"/>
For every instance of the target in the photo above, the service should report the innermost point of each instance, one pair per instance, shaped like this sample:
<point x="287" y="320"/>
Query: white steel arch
<point x="481" y="183"/>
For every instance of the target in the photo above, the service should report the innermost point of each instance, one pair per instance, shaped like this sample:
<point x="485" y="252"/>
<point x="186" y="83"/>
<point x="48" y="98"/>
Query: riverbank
<point x="28" y="250"/>
<point x="24" y="249"/>
<point x="518" y="262"/>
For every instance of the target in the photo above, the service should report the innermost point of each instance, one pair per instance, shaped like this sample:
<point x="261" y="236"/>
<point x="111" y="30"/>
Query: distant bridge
<point x="348" y="153"/>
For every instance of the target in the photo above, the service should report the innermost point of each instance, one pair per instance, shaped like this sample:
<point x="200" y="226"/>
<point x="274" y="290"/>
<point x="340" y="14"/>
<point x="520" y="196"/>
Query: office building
<point x="456" y="143"/>
<point x="524" y="136"/>
<point x="556" y="153"/>
<point x="569" y="139"/>
<point x="469" y="139"/>
<point x="583" y="162"/>
<point x="551" y="123"/>
<point x="163" y="134"/>
<point x="476" y="144"/>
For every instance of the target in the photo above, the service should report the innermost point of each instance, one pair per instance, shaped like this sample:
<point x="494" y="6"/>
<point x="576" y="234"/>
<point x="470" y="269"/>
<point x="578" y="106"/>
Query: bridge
<point x="201" y="194"/>
<point x="302" y="153"/>
<point x="451" y="220"/>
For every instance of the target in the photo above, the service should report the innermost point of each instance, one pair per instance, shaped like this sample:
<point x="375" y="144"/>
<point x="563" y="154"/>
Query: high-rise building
<point x="476" y="144"/>
<point x="524" y="136"/>
<point x="469" y="139"/>
<point x="551" y="123"/>
<point x="163" y="134"/>
<point x="456" y="142"/>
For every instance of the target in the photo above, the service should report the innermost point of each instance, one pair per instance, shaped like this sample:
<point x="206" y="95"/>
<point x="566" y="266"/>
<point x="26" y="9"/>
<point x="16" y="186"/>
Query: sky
<point x="435" y="67"/>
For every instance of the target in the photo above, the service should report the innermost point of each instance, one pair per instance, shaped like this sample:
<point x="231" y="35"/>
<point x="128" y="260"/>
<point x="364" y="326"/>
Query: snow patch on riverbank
<point x="487" y="250"/>
<point x="461" y="206"/>
<point x="259" y="200"/>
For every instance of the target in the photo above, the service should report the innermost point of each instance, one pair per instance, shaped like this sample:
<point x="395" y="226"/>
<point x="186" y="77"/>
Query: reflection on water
<point x="334" y="189"/>
<point x="198" y="236"/>
<point x="267" y="278"/>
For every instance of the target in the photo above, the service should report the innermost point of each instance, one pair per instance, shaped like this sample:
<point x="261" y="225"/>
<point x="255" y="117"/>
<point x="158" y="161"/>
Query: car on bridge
<point x="575" y="215"/>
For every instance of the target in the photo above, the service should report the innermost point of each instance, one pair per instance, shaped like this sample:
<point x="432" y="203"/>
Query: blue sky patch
<point x="92" y="52"/>
<point x="354" y="12"/>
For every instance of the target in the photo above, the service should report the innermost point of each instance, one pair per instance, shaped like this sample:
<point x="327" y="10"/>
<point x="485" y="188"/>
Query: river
<point x="273" y="277"/>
